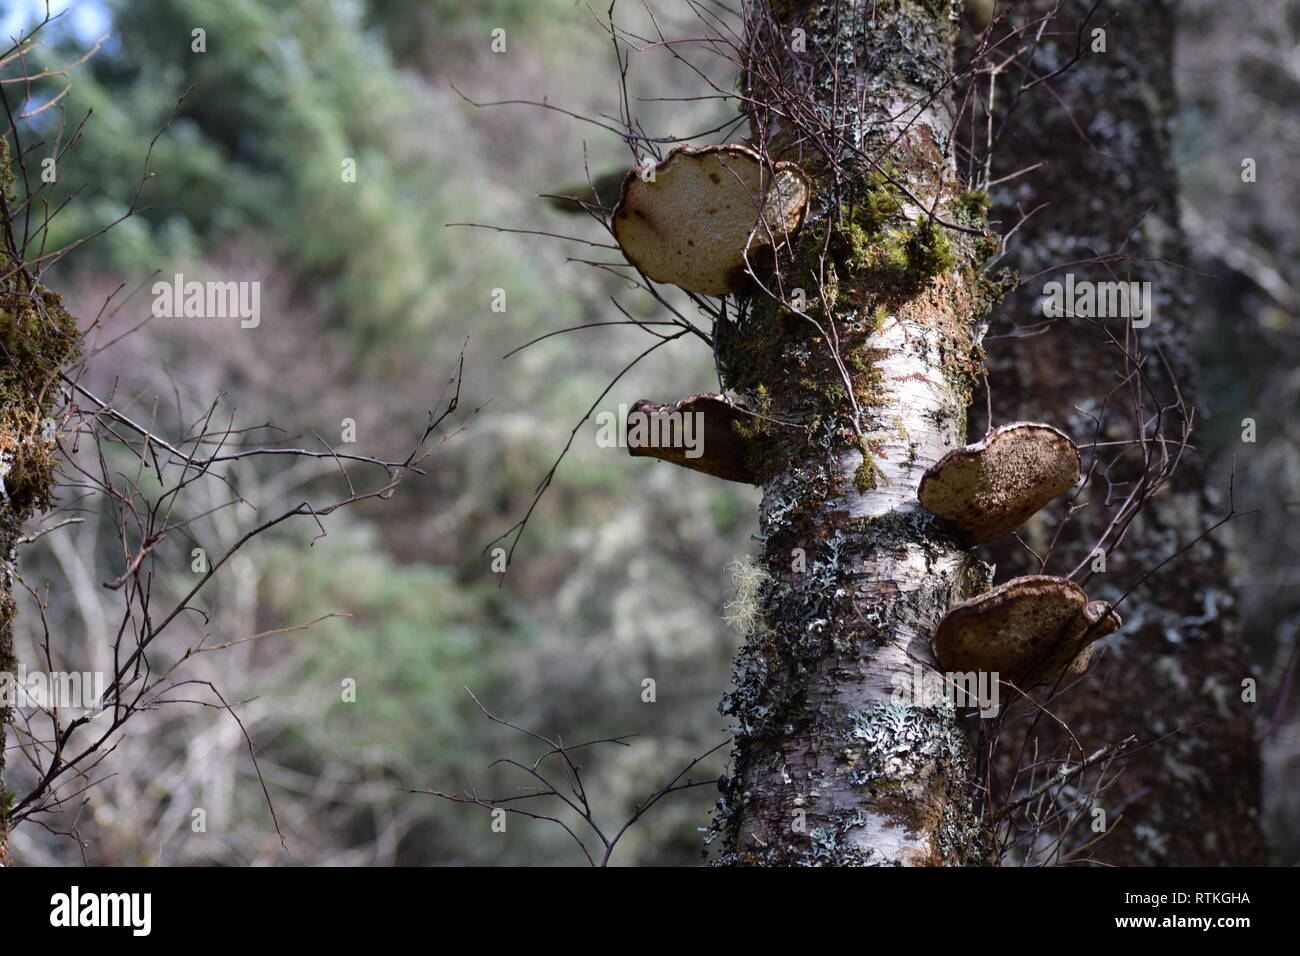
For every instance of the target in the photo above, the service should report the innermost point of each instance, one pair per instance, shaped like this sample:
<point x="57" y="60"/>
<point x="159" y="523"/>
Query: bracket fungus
<point x="1030" y="630"/>
<point x="697" y="433"/>
<point x="705" y="213"/>
<point x="992" y="487"/>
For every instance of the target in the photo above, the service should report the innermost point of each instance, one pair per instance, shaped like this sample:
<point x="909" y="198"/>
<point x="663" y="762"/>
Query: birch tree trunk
<point x="871" y="379"/>
<point x="1102" y="129"/>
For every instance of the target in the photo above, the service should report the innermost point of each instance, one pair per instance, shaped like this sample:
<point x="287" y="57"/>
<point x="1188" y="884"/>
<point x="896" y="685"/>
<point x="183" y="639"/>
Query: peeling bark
<point x="873" y="381"/>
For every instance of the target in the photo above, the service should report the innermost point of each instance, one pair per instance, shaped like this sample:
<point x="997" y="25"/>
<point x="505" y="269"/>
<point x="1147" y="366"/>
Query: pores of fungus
<point x="992" y="487"/>
<point x="1030" y="630"/>
<point x="708" y="216"/>
<point x="697" y="433"/>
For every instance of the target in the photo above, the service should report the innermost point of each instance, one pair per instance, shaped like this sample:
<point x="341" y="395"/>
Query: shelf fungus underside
<point x="1030" y="630"/>
<point x="991" y="488"/>
<point x="709" y="216"/>
<point x="697" y="433"/>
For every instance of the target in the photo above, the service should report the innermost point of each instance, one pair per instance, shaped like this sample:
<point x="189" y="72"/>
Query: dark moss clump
<point x="882" y="202"/>
<point x="929" y="253"/>
<point x="896" y="261"/>
<point x="972" y="208"/>
<point x="38" y="338"/>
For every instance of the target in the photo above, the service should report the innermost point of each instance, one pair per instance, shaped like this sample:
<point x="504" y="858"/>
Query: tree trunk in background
<point x="1103" y="130"/>
<point x="828" y="767"/>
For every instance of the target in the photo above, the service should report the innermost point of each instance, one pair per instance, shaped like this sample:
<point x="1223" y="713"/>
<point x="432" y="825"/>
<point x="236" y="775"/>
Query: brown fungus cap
<point x="1029" y="631"/>
<point x="695" y="223"/>
<point x="991" y="488"/>
<point x="721" y="449"/>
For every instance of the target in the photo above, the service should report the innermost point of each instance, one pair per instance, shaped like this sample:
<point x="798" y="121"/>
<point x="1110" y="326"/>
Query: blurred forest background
<point x="367" y="298"/>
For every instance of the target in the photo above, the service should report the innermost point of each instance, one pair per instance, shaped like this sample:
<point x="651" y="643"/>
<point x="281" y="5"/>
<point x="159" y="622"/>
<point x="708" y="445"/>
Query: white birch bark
<point x="830" y="767"/>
